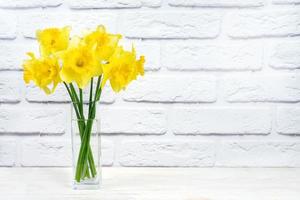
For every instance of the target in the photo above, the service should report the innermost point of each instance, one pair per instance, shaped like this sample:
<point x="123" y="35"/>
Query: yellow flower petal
<point x="53" y="40"/>
<point x="104" y="42"/>
<point x="79" y="63"/>
<point x="81" y="58"/>
<point x="122" y="69"/>
<point x="43" y="72"/>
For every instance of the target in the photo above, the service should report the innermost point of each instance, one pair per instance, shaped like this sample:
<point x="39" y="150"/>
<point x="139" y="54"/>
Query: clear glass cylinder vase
<point x="86" y="148"/>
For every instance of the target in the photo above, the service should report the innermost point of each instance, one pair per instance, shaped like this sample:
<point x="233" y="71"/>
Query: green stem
<point x="81" y="102"/>
<point x="92" y="164"/>
<point x="76" y="99"/>
<point x="81" y="123"/>
<point x="91" y="94"/>
<point x="97" y="96"/>
<point x="87" y="133"/>
<point x="72" y="99"/>
<point x="81" y="126"/>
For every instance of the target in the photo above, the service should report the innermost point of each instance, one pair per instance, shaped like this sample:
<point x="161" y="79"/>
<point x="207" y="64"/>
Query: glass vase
<point x="86" y="149"/>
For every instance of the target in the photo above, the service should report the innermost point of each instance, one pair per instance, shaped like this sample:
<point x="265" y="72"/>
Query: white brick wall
<point x="222" y="86"/>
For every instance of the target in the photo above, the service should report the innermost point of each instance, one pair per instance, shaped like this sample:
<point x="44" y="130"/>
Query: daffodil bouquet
<point x="91" y="59"/>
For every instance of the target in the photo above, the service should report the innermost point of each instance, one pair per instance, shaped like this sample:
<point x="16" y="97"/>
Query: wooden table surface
<point x="154" y="183"/>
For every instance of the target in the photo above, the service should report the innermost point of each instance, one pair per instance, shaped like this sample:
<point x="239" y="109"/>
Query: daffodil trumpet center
<point x="79" y="63"/>
<point x="52" y="42"/>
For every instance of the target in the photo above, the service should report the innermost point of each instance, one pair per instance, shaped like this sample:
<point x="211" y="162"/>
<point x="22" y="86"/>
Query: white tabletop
<point x="154" y="183"/>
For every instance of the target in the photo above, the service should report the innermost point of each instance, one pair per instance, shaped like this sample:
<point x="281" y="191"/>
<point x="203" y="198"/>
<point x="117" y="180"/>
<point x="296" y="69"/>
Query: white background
<point x="222" y="86"/>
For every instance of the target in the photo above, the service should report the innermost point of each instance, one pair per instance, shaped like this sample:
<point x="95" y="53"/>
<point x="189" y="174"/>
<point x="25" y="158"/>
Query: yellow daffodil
<point x="79" y="63"/>
<point x="78" y="60"/>
<point x="53" y="40"/>
<point x="122" y="69"/>
<point x="105" y="43"/>
<point x="81" y="58"/>
<point x="43" y="72"/>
